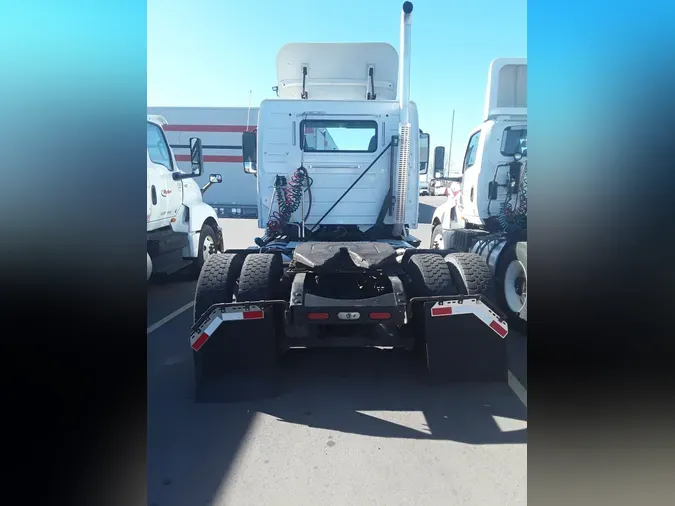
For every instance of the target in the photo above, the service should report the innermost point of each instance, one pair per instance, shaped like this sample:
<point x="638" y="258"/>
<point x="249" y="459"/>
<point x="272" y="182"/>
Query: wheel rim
<point x="515" y="286"/>
<point x="437" y="243"/>
<point x="207" y="247"/>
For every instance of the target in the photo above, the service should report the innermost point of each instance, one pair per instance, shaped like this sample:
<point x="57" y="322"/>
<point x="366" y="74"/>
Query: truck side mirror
<point x="196" y="161"/>
<point x="196" y="156"/>
<point x="249" y="152"/>
<point x="213" y="179"/>
<point x="424" y="153"/>
<point x="439" y="159"/>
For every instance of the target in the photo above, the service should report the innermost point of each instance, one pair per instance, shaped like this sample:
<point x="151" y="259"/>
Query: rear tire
<point x="509" y="286"/>
<point x="260" y="277"/>
<point x="471" y="274"/>
<point x="461" y="239"/>
<point x="216" y="285"/>
<point x="260" y="280"/>
<point x="429" y="276"/>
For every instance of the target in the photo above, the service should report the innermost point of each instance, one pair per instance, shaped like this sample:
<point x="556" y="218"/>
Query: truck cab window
<point x="472" y="148"/>
<point x="327" y="136"/>
<point x="158" y="149"/>
<point x="514" y="141"/>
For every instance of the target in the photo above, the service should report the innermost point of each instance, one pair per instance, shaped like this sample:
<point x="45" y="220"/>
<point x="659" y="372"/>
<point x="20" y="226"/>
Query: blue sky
<point x="212" y="52"/>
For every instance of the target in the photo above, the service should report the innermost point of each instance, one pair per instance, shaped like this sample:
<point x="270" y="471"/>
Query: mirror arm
<point x="177" y="176"/>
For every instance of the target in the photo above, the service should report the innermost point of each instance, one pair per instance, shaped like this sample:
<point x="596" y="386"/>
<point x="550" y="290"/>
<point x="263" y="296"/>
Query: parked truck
<point x="182" y="230"/>
<point x="219" y="129"/>
<point x="490" y="216"/>
<point x="338" y="265"/>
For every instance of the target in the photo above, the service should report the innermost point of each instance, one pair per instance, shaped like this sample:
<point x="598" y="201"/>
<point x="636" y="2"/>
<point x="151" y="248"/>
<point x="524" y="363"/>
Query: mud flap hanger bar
<point x="209" y="322"/>
<point x="477" y="305"/>
<point x="234" y="307"/>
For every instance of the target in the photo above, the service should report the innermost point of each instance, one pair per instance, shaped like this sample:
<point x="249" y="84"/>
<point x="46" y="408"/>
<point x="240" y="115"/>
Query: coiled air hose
<point x="288" y="196"/>
<point x="513" y="218"/>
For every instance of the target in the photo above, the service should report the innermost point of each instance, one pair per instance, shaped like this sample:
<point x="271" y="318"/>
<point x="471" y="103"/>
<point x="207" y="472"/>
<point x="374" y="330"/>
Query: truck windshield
<point x="327" y="136"/>
<point x="514" y="141"/>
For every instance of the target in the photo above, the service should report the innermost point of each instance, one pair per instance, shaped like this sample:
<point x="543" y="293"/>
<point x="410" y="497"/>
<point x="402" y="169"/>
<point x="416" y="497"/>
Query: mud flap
<point x="236" y="351"/>
<point x="465" y="339"/>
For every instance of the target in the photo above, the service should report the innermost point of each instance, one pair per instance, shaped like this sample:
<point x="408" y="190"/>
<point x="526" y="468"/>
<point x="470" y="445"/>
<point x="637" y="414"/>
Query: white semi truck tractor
<point x="182" y="230"/>
<point x="337" y="158"/>
<point x="490" y="216"/>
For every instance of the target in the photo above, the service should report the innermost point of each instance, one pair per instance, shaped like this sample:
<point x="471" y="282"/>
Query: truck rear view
<point x="337" y="161"/>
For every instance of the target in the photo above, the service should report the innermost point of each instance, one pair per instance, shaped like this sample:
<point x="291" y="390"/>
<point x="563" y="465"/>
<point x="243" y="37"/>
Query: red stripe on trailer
<point x="209" y="128"/>
<point x="253" y="315"/>
<point x="498" y="328"/>
<point x="200" y="341"/>
<point x="441" y="311"/>
<point x="213" y="158"/>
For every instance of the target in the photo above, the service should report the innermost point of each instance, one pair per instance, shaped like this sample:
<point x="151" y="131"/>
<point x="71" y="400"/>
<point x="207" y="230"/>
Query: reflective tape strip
<point x="199" y="342"/>
<point x="471" y="306"/>
<point x="197" y="339"/>
<point x="228" y="317"/>
<point x="441" y="311"/>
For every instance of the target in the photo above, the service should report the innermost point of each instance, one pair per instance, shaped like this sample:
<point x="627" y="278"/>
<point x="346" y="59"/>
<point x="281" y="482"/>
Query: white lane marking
<point x="170" y="317"/>
<point x="518" y="388"/>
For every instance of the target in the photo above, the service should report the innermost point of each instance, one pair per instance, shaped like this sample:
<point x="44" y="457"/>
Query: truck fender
<point x="199" y="213"/>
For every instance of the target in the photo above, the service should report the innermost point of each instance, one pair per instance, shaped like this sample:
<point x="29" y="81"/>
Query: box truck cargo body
<point x="220" y="130"/>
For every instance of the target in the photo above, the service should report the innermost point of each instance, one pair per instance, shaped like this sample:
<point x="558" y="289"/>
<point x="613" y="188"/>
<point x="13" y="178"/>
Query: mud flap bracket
<point x="236" y="348"/>
<point x="245" y="331"/>
<point x="465" y="338"/>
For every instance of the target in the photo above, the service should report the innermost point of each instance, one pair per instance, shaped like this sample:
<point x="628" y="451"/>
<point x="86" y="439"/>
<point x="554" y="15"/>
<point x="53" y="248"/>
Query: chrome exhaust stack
<point x="404" y="121"/>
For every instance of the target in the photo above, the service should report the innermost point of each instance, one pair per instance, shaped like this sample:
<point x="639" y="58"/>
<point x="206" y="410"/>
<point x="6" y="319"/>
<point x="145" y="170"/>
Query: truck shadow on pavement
<point x="192" y="448"/>
<point x="361" y="392"/>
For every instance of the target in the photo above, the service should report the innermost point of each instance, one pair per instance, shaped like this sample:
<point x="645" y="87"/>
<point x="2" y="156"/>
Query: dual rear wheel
<point x="226" y="278"/>
<point x="229" y="277"/>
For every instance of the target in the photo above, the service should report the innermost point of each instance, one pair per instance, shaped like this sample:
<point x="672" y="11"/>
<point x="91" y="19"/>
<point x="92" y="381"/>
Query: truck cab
<point x="490" y="149"/>
<point x="182" y="230"/>
<point x="494" y="144"/>
<point x="336" y="114"/>
<point x="490" y="215"/>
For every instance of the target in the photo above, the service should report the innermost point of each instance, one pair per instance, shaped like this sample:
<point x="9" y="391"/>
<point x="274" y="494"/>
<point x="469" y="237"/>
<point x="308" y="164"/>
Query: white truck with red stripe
<point x="182" y="230"/>
<point x="336" y="160"/>
<point x="490" y="216"/>
<point x="219" y="129"/>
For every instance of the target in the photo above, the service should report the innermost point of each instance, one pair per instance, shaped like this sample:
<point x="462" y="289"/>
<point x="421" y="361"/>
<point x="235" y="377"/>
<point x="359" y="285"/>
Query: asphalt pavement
<point x="350" y="428"/>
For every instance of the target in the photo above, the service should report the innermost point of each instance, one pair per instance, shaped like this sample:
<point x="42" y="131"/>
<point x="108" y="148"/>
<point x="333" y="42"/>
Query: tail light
<point x="317" y="316"/>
